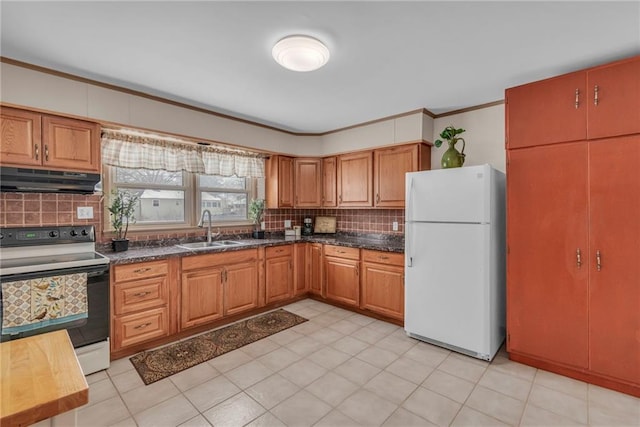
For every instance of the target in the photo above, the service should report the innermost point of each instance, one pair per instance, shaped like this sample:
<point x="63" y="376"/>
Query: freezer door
<point x="447" y="284"/>
<point x="449" y="195"/>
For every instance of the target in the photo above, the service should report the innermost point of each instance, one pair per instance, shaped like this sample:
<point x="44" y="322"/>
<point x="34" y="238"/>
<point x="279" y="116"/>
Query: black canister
<point x="307" y="227"/>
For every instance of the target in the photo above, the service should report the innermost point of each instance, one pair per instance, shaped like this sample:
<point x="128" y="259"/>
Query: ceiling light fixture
<point x="300" y="53"/>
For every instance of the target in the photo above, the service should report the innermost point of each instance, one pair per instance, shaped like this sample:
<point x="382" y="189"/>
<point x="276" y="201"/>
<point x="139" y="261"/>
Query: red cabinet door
<point x="614" y="322"/>
<point x="547" y="112"/>
<point x="614" y="99"/>
<point x="547" y="222"/>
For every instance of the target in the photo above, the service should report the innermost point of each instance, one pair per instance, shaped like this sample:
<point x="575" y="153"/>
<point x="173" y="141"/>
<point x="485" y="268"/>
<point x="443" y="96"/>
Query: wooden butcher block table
<point x="40" y="378"/>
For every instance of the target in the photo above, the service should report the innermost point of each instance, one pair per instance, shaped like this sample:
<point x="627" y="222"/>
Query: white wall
<point x="484" y="137"/>
<point x="30" y="88"/>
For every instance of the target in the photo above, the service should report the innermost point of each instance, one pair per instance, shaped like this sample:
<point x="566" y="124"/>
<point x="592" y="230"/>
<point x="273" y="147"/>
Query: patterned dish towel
<point x="36" y="303"/>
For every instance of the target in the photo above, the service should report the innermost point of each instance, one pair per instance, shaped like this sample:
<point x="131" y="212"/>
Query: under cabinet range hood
<point x="26" y="180"/>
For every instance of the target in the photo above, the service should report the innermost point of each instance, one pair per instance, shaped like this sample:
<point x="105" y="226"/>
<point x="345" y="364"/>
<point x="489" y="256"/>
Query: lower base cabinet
<point x="314" y="274"/>
<point x="278" y="273"/>
<point x="383" y="283"/>
<point x="140" y="303"/>
<point x="342" y="274"/>
<point x="218" y="284"/>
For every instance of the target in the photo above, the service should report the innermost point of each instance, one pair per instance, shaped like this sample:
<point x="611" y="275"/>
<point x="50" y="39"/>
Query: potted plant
<point x="122" y="209"/>
<point x="256" y="212"/>
<point x="451" y="158"/>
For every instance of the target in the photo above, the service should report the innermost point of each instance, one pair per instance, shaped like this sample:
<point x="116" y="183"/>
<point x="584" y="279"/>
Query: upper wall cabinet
<point x="355" y="179"/>
<point x="329" y="185"/>
<point x="37" y="140"/>
<point x="596" y="103"/>
<point x="279" y="182"/>
<point x="391" y="165"/>
<point x="308" y="182"/>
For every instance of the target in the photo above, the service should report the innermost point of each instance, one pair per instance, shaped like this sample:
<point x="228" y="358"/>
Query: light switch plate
<point x="287" y="223"/>
<point x="85" y="212"/>
<point x="395" y="225"/>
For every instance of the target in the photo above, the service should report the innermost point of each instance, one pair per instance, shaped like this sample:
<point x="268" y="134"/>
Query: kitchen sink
<point x="207" y="245"/>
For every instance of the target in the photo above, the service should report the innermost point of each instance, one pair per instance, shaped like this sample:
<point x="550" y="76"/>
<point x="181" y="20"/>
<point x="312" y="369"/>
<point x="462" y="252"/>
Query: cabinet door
<point x="355" y="178"/>
<point x="547" y="112"/>
<point x="547" y="222"/>
<point x="201" y="296"/>
<point x="299" y="268"/>
<point x="383" y="289"/>
<point x="342" y="280"/>
<point x="329" y="185"/>
<point x="315" y="268"/>
<point x="614" y="317"/>
<point x="391" y="164"/>
<point x="240" y="287"/>
<point x="308" y="182"/>
<point x="278" y="279"/>
<point x="279" y="182"/>
<point x="20" y="144"/>
<point x="70" y="144"/>
<point x="616" y="110"/>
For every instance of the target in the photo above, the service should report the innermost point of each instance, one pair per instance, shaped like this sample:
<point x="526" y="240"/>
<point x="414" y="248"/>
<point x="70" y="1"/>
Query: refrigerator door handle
<point x="409" y="217"/>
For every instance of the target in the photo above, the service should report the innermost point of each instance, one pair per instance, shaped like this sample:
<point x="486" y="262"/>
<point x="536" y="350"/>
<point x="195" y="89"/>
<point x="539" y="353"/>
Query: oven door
<point x="95" y="327"/>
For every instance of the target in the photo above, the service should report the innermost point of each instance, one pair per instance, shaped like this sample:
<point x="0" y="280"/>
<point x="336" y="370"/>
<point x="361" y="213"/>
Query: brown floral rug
<point x="155" y="365"/>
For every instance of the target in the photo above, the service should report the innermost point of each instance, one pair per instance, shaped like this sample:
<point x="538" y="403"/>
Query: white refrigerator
<point x="455" y="259"/>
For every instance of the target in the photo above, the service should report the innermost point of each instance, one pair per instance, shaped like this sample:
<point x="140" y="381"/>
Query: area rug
<point x="155" y="365"/>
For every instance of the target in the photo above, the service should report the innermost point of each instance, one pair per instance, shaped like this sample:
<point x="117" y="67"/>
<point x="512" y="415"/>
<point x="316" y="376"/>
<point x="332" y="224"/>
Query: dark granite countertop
<point x="163" y="250"/>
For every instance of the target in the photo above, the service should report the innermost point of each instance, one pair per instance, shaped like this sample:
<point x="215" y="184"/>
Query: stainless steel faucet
<point x="201" y="223"/>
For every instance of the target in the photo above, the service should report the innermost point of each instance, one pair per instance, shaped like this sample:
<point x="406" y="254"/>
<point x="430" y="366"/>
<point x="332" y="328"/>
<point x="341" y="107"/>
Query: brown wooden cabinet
<point x="140" y="309"/>
<point x="355" y="179"/>
<point x="383" y="283"/>
<point x="329" y="184"/>
<point x="218" y="284"/>
<point x="240" y="287"/>
<point x="390" y="166"/>
<point x="572" y="208"/>
<point x="52" y="142"/>
<point x="278" y="273"/>
<point x="342" y="274"/>
<point x="596" y="103"/>
<point x="314" y="268"/>
<point x="279" y="187"/>
<point x="300" y="283"/>
<point x="308" y="182"/>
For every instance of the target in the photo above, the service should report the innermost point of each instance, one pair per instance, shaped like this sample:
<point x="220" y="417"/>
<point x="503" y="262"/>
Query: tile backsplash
<point x="36" y="209"/>
<point x="375" y="221"/>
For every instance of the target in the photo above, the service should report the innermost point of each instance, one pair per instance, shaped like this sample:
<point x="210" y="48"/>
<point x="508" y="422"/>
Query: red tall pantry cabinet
<point x="573" y="224"/>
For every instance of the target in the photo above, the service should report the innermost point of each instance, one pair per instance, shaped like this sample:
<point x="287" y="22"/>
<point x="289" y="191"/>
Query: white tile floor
<point x="344" y="369"/>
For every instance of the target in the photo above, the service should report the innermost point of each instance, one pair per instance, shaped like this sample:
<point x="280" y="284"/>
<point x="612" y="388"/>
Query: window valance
<point x="138" y="150"/>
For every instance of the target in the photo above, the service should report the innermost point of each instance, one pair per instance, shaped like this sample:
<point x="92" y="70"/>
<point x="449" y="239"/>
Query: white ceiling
<point x="386" y="57"/>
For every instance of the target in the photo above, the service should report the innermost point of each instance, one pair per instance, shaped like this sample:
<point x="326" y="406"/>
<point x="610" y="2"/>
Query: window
<point x="170" y="199"/>
<point x="225" y="197"/>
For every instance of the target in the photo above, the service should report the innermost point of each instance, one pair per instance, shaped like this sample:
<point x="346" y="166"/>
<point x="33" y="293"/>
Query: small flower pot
<point x="119" y="245"/>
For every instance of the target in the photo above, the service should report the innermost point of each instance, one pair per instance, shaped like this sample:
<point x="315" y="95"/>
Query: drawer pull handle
<point x="341" y="252"/>
<point x="142" y="270"/>
<point x="37" y="152"/>
<point x="578" y="258"/>
<point x="598" y="260"/>
<point x="595" y="95"/>
<point x="384" y="257"/>
<point x="141" y="294"/>
<point x="142" y="326"/>
<point x="46" y="151"/>
<point x="577" y="98"/>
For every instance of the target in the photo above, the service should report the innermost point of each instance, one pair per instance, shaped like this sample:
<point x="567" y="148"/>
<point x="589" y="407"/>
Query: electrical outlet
<point x="287" y="223"/>
<point x="395" y="225"/>
<point x="85" y="212"/>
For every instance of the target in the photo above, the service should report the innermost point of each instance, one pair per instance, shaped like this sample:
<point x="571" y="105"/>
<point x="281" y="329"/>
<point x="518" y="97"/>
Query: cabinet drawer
<point x="139" y="295"/>
<point x="140" y="270"/>
<point x="218" y="259"/>
<point x="380" y="257"/>
<point x="136" y="328"/>
<point x="278" y="251"/>
<point x="342" y="252"/>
